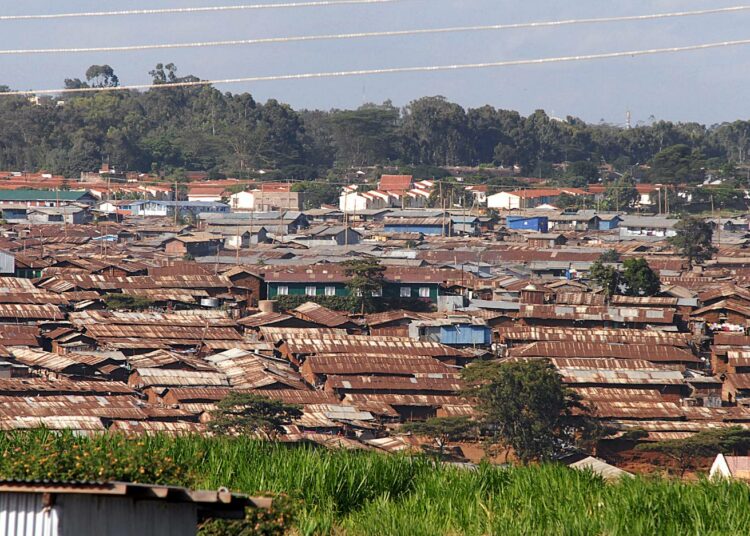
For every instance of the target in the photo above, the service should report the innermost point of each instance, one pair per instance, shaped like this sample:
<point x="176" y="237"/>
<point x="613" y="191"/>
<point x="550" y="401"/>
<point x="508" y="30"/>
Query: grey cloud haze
<point x="706" y="86"/>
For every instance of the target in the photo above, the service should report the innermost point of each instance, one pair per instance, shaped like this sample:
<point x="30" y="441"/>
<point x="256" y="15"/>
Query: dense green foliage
<point x="248" y="414"/>
<point x="525" y="405"/>
<point x="366" y="279"/>
<point x="606" y="275"/>
<point x="688" y="451"/>
<point x="117" y="302"/>
<point x="638" y="279"/>
<point x="201" y="128"/>
<point x="694" y="240"/>
<point x="442" y="430"/>
<point x="368" y="493"/>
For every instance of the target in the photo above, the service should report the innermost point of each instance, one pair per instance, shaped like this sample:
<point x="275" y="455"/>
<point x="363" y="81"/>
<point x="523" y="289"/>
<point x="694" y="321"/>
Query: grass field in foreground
<point x="345" y="492"/>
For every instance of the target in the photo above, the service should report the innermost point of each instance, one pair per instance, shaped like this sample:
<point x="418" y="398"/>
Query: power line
<point x="389" y="70"/>
<point x="390" y="33"/>
<point x="206" y="9"/>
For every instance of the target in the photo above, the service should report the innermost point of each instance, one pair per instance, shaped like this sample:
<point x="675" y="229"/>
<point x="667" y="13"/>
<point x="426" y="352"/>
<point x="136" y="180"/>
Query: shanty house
<point x="46" y="198"/>
<point x="730" y="467"/>
<point x="115" y="508"/>
<point x="658" y="226"/>
<point x="440" y="226"/>
<point x="329" y="235"/>
<point x="539" y="224"/>
<point x="196" y="245"/>
<point x="546" y="240"/>
<point x="522" y="199"/>
<point x="453" y="331"/>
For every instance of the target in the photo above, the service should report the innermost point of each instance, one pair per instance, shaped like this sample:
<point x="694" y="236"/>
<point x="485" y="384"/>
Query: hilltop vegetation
<point x="345" y="492"/>
<point x="201" y="128"/>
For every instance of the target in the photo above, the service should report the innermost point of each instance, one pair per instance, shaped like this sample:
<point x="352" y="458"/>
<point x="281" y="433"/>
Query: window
<point x="377" y="293"/>
<point x="424" y="292"/>
<point x="282" y="290"/>
<point x="330" y="291"/>
<point x="406" y="292"/>
<point x="311" y="291"/>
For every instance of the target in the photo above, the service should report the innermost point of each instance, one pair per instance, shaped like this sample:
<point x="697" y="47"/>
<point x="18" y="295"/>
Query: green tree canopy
<point x="638" y="278"/>
<point x="365" y="281"/>
<point x="246" y="414"/>
<point x="706" y="444"/>
<point x="620" y="194"/>
<point x="443" y="430"/>
<point x="606" y="276"/>
<point x="694" y="240"/>
<point x="526" y="406"/>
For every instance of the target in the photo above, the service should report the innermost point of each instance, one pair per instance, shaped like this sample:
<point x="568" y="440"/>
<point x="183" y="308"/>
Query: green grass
<point x="359" y="493"/>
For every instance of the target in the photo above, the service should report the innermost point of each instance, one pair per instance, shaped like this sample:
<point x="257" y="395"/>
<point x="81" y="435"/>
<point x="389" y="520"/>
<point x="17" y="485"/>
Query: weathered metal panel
<point x="7" y="263"/>
<point x="23" y="514"/>
<point x="121" y="516"/>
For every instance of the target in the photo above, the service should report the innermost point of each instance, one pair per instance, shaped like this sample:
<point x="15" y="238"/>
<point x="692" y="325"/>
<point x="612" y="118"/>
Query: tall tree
<point x="526" y="406"/>
<point x="639" y="279"/>
<point x="443" y="430"/>
<point x="606" y="276"/>
<point x="247" y="414"/>
<point x="620" y="194"/>
<point x="435" y="131"/>
<point x="365" y="281"/>
<point x="694" y="240"/>
<point x="102" y="76"/>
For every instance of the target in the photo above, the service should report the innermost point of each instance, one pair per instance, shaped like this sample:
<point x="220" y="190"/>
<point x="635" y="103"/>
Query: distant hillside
<point x="202" y="129"/>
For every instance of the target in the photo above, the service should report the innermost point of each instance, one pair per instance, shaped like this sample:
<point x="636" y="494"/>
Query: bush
<point x="127" y="302"/>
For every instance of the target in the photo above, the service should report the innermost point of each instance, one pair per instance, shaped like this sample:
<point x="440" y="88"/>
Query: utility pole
<point x="659" y="199"/>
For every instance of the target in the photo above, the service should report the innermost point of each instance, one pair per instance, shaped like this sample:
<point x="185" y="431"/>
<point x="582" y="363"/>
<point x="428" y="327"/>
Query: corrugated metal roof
<point x="317" y="314"/>
<point x="615" y="372"/>
<point x="152" y="377"/>
<point x="649" y="352"/>
<point x="540" y="333"/>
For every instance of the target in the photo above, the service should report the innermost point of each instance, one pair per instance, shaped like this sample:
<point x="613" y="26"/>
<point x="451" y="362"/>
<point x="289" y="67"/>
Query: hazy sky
<point x="706" y="86"/>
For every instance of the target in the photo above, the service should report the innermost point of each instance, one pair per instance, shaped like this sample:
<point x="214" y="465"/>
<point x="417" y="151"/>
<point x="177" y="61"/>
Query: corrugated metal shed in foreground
<point x="115" y="509"/>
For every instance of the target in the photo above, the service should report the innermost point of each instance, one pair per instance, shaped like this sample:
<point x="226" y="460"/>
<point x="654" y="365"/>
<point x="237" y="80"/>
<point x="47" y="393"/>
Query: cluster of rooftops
<point x="143" y="324"/>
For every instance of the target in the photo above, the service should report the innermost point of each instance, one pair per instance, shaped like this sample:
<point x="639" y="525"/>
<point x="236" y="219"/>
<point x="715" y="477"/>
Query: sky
<point x="705" y="86"/>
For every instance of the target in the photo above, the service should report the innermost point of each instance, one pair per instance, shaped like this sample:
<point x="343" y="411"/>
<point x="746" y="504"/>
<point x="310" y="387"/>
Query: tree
<point x="708" y="443"/>
<point x="435" y="131"/>
<point x="317" y="193"/>
<point x="638" y="278"/>
<point x="678" y="163"/>
<point x="694" y="240"/>
<point x="611" y="255"/>
<point x="526" y="406"/>
<point x="365" y="136"/>
<point x="102" y="76"/>
<point x="620" y="194"/>
<point x="365" y="281"/>
<point x="443" y="429"/>
<point x="246" y="414"/>
<point x="583" y="169"/>
<point x="117" y="302"/>
<point x="606" y="276"/>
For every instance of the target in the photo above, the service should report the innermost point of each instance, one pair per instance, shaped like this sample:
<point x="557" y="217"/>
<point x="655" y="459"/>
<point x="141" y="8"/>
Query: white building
<point x="352" y="201"/>
<point x="243" y="200"/>
<point x="532" y="198"/>
<point x="730" y="467"/>
<point x="658" y="226"/>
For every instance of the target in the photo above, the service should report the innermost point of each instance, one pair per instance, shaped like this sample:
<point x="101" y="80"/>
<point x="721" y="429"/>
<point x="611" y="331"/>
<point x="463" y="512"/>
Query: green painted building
<point x="330" y="280"/>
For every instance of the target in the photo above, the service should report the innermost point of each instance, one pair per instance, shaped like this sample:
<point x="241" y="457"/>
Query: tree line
<point x="201" y="128"/>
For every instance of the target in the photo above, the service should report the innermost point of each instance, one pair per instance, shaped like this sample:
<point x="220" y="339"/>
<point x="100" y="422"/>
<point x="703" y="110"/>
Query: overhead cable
<point x="390" y="70"/>
<point x="182" y="10"/>
<point x="360" y="35"/>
